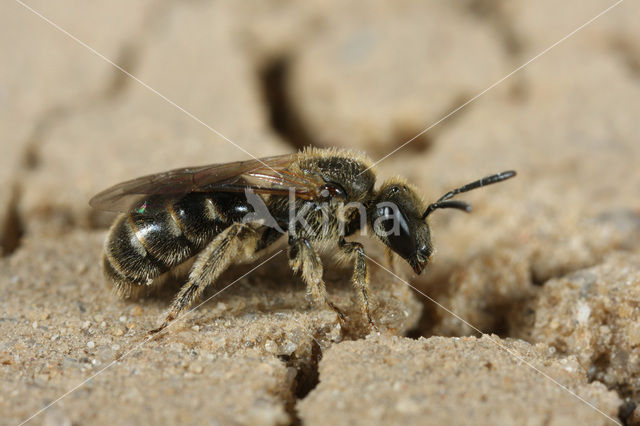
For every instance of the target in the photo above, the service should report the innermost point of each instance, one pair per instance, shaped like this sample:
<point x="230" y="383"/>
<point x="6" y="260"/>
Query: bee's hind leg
<point x="237" y="242"/>
<point x="360" y="278"/>
<point x="303" y="258"/>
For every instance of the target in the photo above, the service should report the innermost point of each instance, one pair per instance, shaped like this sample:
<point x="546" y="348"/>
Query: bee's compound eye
<point x="394" y="226"/>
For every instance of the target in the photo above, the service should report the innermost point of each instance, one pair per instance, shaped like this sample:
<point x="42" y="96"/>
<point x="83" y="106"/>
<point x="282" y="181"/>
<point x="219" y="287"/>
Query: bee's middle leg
<point x="360" y="278"/>
<point x="303" y="258"/>
<point x="237" y="242"/>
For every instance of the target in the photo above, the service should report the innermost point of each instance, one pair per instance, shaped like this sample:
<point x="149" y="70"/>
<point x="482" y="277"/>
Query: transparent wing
<point x="269" y="175"/>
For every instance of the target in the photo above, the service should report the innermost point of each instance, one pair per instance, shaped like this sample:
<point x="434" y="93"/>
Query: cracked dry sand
<point x="548" y="262"/>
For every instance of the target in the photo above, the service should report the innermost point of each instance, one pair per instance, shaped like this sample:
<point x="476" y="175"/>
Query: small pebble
<point x="195" y="368"/>
<point x="271" y="346"/>
<point x="91" y="344"/>
<point x="289" y="347"/>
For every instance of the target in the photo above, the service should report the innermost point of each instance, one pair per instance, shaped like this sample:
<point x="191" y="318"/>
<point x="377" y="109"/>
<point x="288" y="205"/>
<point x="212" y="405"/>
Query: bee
<point x="225" y="213"/>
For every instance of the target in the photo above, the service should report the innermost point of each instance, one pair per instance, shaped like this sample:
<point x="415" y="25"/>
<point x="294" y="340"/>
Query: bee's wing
<point x="269" y="175"/>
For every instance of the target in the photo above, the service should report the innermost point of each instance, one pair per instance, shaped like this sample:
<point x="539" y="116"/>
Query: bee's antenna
<point x="444" y="202"/>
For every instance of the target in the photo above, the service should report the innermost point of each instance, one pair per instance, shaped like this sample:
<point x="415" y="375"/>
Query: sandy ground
<point x="529" y="311"/>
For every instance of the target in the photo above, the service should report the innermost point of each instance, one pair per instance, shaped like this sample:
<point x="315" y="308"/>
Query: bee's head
<point x="396" y="218"/>
<point x="399" y="218"/>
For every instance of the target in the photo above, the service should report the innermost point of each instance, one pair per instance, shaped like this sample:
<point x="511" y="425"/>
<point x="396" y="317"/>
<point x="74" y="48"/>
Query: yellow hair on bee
<point x="333" y="152"/>
<point x="413" y="190"/>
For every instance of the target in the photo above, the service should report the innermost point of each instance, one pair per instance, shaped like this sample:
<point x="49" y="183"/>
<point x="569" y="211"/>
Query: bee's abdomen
<point x="142" y="246"/>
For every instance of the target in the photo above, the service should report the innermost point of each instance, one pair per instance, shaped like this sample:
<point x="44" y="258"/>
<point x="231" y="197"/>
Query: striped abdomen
<point x="140" y="247"/>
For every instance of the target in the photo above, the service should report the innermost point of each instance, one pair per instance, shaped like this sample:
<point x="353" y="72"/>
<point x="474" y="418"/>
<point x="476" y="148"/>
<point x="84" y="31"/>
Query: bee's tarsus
<point x="159" y="329"/>
<point x="341" y="316"/>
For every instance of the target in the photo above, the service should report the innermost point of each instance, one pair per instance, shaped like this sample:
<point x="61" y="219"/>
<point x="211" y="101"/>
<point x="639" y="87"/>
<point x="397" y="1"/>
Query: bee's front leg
<point x="303" y="258"/>
<point x="360" y="278"/>
<point x="235" y="243"/>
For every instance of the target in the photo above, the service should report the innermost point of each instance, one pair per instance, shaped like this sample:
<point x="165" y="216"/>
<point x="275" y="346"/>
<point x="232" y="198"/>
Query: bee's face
<point x="396" y="218"/>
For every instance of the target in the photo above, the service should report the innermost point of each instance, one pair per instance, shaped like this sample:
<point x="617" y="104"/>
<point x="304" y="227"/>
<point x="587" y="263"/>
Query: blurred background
<point x="94" y="93"/>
